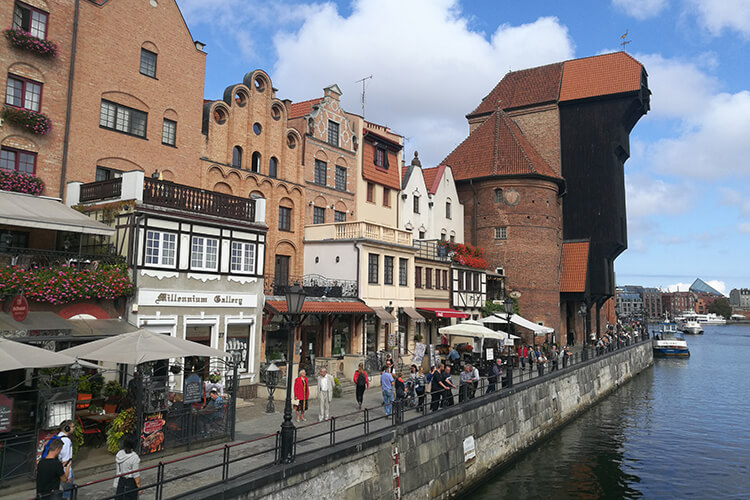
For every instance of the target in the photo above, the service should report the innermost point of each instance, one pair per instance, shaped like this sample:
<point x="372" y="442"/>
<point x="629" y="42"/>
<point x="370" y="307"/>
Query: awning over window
<point x="38" y="320"/>
<point x="40" y="212"/>
<point x="445" y="313"/>
<point x="413" y="314"/>
<point x="316" y="306"/>
<point x="383" y="314"/>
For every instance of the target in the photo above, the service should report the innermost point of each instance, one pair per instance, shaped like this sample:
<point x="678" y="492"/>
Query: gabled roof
<point x="432" y="177"/>
<point x="605" y="74"/>
<point x="405" y="174"/>
<point x="497" y="147"/>
<point x="575" y="263"/>
<point x="700" y="286"/>
<point x="302" y="108"/>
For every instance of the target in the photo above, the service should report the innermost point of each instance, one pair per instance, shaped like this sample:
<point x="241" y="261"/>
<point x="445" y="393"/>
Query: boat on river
<point x="668" y="341"/>
<point x="690" y="325"/>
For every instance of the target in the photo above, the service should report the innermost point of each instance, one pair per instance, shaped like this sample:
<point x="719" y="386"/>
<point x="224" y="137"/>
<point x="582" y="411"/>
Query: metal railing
<point x="101" y="190"/>
<point x="432" y="250"/>
<point x="315" y="285"/>
<point x="170" y="195"/>
<point x="29" y="258"/>
<point x="351" y="426"/>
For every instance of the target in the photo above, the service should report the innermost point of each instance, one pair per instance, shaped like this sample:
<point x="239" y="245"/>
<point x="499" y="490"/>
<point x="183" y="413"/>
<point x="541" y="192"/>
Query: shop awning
<point x="445" y="313"/>
<point x="37" y="320"/>
<point x="40" y="212"/>
<point x="318" y="306"/>
<point x="383" y="314"/>
<point x="413" y="314"/>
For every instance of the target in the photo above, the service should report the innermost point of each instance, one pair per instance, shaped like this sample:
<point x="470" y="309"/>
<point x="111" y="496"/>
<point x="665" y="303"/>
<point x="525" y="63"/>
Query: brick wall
<point x="541" y="126"/>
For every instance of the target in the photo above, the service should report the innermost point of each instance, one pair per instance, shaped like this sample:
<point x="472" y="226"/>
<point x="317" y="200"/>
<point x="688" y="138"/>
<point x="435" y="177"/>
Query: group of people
<point x="326" y="383"/>
<point x="544" y="357"/>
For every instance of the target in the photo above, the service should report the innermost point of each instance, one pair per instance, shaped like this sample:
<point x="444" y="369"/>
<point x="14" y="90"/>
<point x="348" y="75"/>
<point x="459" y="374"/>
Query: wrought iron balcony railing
<point x="314" y="285"/>
<point x="431" y="250"/>
<point x="28" y="258"/>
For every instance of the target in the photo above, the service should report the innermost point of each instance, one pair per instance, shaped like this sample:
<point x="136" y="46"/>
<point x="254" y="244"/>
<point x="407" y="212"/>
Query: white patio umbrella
<point x="15" y="356"/>
<point x="471" y="328"/>
<point x="495" y="320"/>
<point x="141" y="346"/>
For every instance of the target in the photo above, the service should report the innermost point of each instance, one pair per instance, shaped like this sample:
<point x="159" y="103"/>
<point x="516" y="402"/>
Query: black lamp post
<point x="272" y="377"/>
<point x="509" y="307"/>
<point x="295" y="298"/>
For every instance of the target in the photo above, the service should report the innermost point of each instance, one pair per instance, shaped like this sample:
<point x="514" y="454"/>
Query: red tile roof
<point x="432" y="177"/>
<point x="497" y="147"/>
<point x="302" y="108"/>
<point x="600" y="75"/>
<point x="575" y="260"/>
<point x="311" y="306"/>
<point x="605" y="74"/>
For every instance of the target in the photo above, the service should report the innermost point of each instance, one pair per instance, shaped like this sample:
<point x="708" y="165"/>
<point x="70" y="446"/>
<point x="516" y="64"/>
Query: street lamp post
<point x="295" y="298"/>
<point x="509" y="310"/>
<point x="272" y="377"/>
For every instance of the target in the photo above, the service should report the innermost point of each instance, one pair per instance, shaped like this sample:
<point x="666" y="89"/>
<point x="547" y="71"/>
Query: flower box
<point x="466" y="255"/>
<point x="33" y="121"/>
<point x="26" y="41"/>
<point x="20" y="182"/>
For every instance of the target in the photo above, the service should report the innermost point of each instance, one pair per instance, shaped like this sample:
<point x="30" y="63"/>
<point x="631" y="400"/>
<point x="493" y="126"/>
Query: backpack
<point x="361" y="382"/>
<point x="45" y="451"/>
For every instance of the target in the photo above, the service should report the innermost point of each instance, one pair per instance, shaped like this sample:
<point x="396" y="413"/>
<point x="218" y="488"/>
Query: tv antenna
<point x="624" y="42"/>
<point x="363" y="80"/>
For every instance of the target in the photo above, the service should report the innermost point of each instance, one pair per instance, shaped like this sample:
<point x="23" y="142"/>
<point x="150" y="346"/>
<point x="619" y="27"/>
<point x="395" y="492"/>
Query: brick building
<point x="543" y="165"/>
<point x="677" y="303"/>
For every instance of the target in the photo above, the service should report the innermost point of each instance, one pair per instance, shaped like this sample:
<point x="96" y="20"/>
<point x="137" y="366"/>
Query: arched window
<point x="255" y="166"/>
<point x="237" y="157"/>
<point x="273" y="166"/>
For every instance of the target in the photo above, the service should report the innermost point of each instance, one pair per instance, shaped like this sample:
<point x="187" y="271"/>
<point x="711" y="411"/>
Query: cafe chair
<point x="91" y="430"/>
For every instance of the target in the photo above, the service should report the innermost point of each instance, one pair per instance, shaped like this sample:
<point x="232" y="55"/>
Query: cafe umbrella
<point x="16" y="356"/>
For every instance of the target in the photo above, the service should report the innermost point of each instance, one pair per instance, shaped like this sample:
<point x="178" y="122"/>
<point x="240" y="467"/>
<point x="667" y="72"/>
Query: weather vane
<point x="624" y="42"/>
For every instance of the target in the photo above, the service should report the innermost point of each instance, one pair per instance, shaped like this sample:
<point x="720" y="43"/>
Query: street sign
<point x="19" y="308"/>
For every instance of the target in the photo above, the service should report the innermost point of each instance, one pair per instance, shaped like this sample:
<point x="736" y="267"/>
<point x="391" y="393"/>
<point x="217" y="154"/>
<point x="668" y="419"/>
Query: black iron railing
<point x="28" y="258"/>
<point x="315" y="285"/>
<point x="101" y="190"/>
<point x="180" y="197"/>
<point x="432" y="250"/>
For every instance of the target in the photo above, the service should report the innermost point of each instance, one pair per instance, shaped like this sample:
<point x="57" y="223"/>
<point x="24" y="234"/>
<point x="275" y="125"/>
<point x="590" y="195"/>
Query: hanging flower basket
<point x="20" y="182"/>
<point x="33" y="121"/>
<point x="25" y="40"/>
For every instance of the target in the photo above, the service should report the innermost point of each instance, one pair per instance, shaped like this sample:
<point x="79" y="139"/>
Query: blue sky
<point x="432" y="61"/>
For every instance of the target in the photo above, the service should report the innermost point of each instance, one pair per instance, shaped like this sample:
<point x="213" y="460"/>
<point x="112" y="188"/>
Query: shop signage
<point x="19" y="308"/>
<point x="192" y="391"/>
<point x="419" y="351"/>
<point x="152" y="434"/>
<point x="149" y="297"/>
<point x="6" y="412"/>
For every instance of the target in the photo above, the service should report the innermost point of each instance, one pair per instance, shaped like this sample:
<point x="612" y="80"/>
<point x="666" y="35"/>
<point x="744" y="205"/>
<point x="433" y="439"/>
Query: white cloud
<point x="719" y="286"/>
<point x="647" y="196"/>
<point x="718" y="15"/>
<point x="429" y="68"/>
<point x="744" y="227"/>
<point x="734" y="198"/>
<point x="641" y="9"/>
<point x="679" y="287"/>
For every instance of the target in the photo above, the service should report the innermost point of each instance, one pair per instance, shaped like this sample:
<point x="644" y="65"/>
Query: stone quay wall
<point x="431" y="449"/>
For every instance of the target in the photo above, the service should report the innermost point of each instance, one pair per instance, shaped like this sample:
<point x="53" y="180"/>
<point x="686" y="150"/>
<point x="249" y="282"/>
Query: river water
<point x="678" y="430"/>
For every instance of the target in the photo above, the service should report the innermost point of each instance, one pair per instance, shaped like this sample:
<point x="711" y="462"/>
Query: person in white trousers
<point x="325" y="394"/>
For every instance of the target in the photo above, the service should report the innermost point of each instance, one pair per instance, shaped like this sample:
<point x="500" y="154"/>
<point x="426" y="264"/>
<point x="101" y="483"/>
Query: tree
<point x="721" y="307"/>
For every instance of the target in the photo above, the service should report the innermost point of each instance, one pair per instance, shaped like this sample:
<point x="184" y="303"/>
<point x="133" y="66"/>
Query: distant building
<point x="628" y="301"/>
<point x="701" y="287"/>
<point x="652" y="304"/>
<point x="676" y="303"/>
<point x="740" y="297"/>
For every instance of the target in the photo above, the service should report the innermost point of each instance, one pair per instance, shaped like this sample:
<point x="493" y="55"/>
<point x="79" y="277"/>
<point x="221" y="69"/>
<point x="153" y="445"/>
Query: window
<point x="443" y="235"/>
<point x="428" y="277"/>
<point x="22" y="93"/>
<point x="453" y="238"/>
<point x="29" y="19"/>
<point x="148" y="63"/>
<point x="237" y="157"/>
<point x="122" y="119"/>
<point x="416" y="204"/>
<point x="447" y="209"/>
<point x="255" y="165"/>
<point x="204" y="254"/>
<point x="445" y="279"/>
<point x="418" y="276"/>
<point x="243" y="257"/>
<point x="339" y="216"/>
<point x="381" y="157"/>
<point x="319" y="215"/>
<point x="105" y="174"/>
<point x="273" y="167"/>
<point x="498" y="195"/>
<point x="16" y="160"/>
<point x="388" y="270"/>
<point x="403" y="277"/>
<point x="321" y="172"/>
<point x="421" y="235"/>
<point x="169" y="132"/>
<point x="501" y="233"/>
<point x="386" y="197"/>
<point x="460" y="280"/>
<point x="333" y="133"/>
<point x="477" y="281"/>
<point x="160" y="248"/>
<point x="437" y="279"/>
<point x="340" y="178"/>
<point x="285" y="219"/>
<point x="371" y="192"/>
<point x="372" y="268"/>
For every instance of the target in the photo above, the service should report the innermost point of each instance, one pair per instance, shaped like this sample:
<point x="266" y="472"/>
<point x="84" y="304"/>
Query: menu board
<point x="6" y="413"/>
<point x="419" y="351"/>
<point x="192" y="390"/>
<point x="152" y="435"/>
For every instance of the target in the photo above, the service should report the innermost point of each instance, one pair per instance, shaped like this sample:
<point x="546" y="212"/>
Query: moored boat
<point x="691" y="327"/>
<point x="668" y="341"/>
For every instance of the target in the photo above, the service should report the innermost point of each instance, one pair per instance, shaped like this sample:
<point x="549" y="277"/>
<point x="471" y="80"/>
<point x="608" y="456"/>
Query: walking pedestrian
<point x="434" y="378"/>
<point x="386" y="384"/>
<point x="67" y="428"/>
<point x="495" y="375"/>
<point x="465" y="384"/>
<point x="447" y="385"/>
<point x="50" y="472"/>
<point x="362" y="383"/>
<point x="554" y="357"/>
<point x="419" y="388"/>
<point x="301" y="394"/>
<point x="531" y="358"/>
<point x="325" y="394"/>
<point x="540" y="361"/>
<point x="127" y="462"/>
<point x="565" y="355"/>
<point x="474" y="381"/>
<point x="523" y="353"/>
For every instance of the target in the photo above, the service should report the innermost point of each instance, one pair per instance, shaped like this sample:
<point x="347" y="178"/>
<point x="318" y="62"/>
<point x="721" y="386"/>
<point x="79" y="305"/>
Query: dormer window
<point x="381" y="157"/>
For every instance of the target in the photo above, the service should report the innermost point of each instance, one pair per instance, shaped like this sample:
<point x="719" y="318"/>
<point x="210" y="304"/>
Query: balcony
<point x="431" y="250"/>
<point x="314" y="285"/>
<point x="166" y="194"/>
<point x="357" y="230"/>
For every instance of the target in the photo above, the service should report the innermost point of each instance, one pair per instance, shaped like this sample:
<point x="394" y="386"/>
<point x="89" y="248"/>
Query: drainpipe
<point x="474" y="214"/>
<point x="66" y="135"/>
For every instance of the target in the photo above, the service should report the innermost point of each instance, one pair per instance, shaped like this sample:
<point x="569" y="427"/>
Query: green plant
<point x="84" y="385"/>
<point x="25" y="40"/>
<point x="337" y="391"/>
<point x="55" y="377"/>
<point x="77" y="437"/>
<point x="112" y="389"/>
<point x="123" y="424"/>
<point x="95" y="409"/>
<point x="33" y="121"/>
<point x="214" y="377"/>
<point x="418" y="337"/>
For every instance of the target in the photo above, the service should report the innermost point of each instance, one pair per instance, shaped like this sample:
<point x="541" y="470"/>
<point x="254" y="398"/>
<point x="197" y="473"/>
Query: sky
<point x="432" y="61"/>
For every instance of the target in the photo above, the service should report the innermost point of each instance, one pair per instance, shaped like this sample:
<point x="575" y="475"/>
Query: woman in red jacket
<point x="301" y="394"/>
<point x="362" y="382"/>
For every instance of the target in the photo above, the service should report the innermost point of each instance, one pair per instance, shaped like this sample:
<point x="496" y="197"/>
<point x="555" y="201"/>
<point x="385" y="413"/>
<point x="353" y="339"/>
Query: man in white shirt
<point x="325" y="394"/>
<point x="66" y="454"/>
